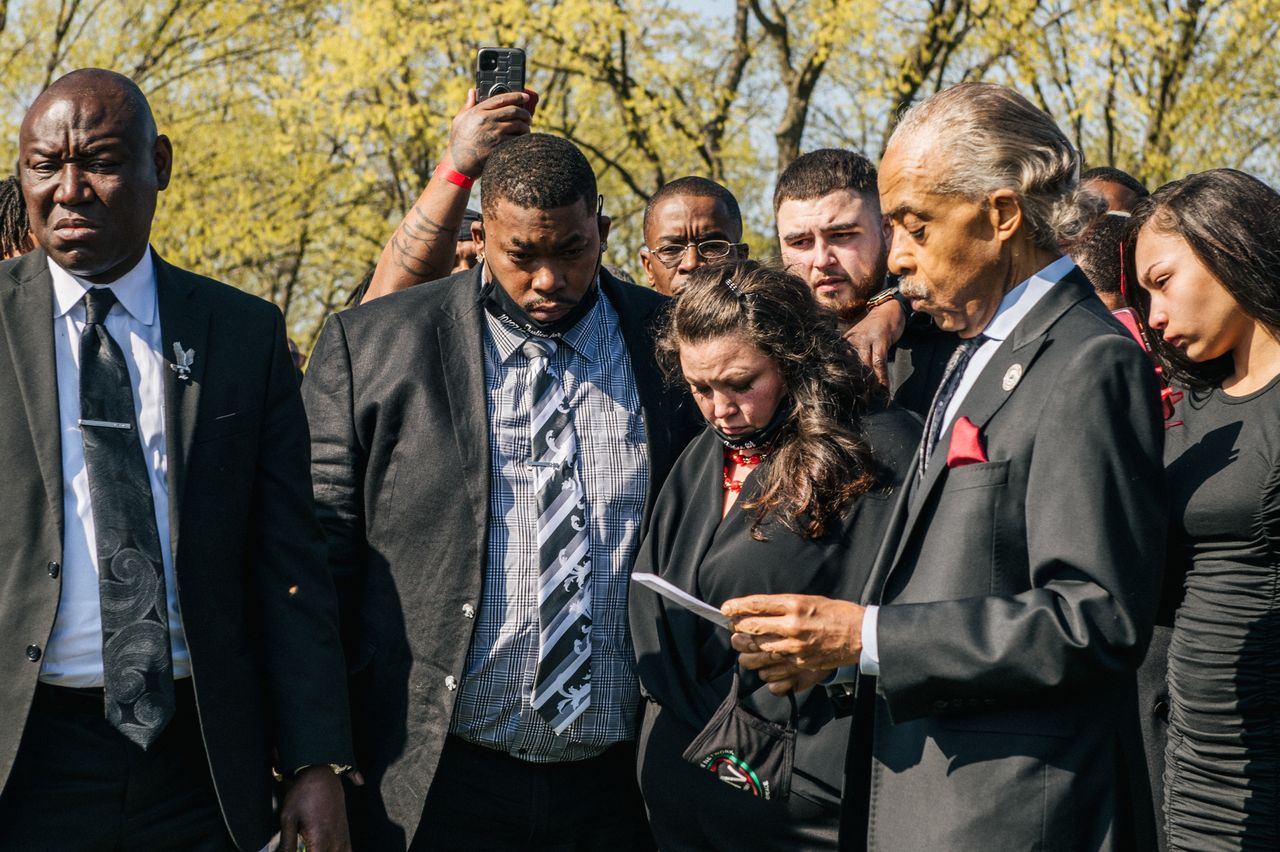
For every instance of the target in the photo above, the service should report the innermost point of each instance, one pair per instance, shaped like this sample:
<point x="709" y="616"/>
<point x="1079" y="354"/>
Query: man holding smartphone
<point x="422" y="247"/>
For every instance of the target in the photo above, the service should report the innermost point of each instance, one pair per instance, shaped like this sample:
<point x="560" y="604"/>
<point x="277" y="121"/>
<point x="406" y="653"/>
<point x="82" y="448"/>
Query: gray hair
<point x="993" y="138"/>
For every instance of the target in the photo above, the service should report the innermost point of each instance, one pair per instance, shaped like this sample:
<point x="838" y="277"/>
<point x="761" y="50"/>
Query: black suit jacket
<point x="400" y="445"/>
<point x="257" y="605"/>
<point x="1019" y="595"/>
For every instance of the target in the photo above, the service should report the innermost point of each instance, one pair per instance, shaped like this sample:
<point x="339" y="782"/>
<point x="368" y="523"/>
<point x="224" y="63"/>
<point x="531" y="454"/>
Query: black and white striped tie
<point x="562" y="684"/>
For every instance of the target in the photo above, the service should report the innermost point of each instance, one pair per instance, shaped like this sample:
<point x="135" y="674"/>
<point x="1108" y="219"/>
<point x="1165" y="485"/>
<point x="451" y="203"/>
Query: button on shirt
<point x="1014" y="307"/>
<point x="74" y="653"/>
<point x="493" y="705"/>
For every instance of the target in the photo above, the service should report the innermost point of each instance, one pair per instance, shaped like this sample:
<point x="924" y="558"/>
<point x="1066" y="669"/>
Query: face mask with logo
<point x="498" y="302"/>
<point x="746" y="752"/>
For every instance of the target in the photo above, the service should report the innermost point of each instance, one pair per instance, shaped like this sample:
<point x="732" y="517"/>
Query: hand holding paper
<point x="782" y="635"/>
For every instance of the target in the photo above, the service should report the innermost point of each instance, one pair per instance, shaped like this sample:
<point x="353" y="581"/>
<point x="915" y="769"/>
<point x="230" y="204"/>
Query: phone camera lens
<point x="488" y="62"/>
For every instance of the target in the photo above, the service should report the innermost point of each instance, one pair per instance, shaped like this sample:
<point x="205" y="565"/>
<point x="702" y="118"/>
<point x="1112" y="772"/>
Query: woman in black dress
<point x="785" y="491"/>
<point x="1207" y="254"/>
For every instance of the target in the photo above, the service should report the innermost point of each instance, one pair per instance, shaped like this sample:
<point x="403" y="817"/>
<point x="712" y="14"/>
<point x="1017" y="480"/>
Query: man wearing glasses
<point x="689" y="222"/>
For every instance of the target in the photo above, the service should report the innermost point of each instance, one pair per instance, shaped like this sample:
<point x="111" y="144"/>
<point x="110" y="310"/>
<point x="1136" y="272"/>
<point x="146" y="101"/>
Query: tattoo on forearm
<point x="419" y="227"/>
<point x="413" y="243"/>
<point x="406" y="258"/>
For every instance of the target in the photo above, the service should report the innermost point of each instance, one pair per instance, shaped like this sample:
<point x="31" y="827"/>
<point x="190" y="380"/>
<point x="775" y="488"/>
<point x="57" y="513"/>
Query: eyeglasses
<point x="671" y="254"/>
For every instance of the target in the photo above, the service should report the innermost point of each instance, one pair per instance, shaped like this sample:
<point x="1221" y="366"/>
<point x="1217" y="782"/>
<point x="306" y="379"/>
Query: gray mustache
<point x="912" y="289"/>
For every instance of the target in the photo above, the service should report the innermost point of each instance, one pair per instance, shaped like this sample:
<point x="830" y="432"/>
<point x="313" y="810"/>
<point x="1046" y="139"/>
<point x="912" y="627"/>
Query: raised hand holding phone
<point x="422" y="247"/>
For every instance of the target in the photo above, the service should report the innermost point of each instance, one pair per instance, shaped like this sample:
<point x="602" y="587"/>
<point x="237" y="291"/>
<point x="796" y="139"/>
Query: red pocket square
<point x="966" y="444"/>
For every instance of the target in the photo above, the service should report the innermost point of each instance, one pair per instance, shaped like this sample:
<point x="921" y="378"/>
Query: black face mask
<point x="761" y="437"/>
<point x="498" y="302"/>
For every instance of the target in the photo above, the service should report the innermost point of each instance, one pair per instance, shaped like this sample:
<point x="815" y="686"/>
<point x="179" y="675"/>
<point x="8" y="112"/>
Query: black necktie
<point x="947" y="388"/>
<point x="137" y="663"/>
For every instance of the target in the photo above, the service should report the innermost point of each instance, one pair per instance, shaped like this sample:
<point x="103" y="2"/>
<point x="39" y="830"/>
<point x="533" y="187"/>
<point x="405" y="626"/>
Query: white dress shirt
<point x="74" y="653"/>
<point x="1014" y="307"/>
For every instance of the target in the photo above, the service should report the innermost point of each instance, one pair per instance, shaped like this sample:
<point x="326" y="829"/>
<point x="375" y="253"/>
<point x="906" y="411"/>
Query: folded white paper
<point x="679" y="596"/>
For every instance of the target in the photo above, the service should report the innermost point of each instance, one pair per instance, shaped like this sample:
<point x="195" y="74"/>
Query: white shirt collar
<point x="135" y="290"/>
<point x="1019" y="301"/>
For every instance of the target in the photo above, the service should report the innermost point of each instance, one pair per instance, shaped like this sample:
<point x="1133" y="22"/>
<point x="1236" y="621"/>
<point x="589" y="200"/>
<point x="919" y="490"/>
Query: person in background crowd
<point x="163" y="570"/>
<point x="486" y="450"/>
<point x="783" y="492"/>
<point x="1120" y="189"/>
<point x="831" y="231"/>
<point x="424" y="246"/>
<point x="362" y="287"/>
<point x="1207" y="256"/>
<point x="619" y="273"/>
<point x="1013" y="599"/>
<point x="834" y="237"/>
<point x="464" y="255"/>
<point x="297" y="356"/>
<point x="1098" y="254"/>
<point x="15" y="232"/>
<point x="689" y="222"/>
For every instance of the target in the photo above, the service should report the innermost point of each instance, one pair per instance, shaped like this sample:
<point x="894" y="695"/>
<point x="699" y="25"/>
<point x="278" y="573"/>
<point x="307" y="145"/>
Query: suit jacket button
<point x="451" y="683"/>
<point x="54" y="570"/>
<point x="33" y="653"/>
<point x="1161" y="709"/>
<point x="468" y="611"/>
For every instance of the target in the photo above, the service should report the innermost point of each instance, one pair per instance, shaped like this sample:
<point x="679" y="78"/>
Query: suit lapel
<point x="461" y="341"/>
<point x="184" y="322"/>
<point x="987" y="396"/>
<point x="26" y="309"/>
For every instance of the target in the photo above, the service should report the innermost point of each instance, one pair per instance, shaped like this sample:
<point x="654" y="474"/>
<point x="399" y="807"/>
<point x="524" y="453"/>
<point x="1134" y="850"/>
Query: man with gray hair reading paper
<point x="1013" y="598"/>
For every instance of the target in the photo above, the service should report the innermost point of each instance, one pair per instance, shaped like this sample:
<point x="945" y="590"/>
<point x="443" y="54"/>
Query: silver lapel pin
<point x="183" y="359"/>
<point x="1012" y="377"/>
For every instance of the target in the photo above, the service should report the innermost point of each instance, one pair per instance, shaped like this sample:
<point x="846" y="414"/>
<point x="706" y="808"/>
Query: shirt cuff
<point x="869" y="662"/>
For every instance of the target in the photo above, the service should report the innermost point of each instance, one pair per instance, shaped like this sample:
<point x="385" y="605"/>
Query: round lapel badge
<point x="1011" y="377"/>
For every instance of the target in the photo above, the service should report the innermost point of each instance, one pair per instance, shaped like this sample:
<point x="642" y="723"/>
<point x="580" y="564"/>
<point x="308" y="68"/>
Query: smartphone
<point x="499" y="70"/>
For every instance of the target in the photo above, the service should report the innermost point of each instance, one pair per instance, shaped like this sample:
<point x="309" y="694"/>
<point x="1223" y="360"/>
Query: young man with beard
<point x="834" y="236"/>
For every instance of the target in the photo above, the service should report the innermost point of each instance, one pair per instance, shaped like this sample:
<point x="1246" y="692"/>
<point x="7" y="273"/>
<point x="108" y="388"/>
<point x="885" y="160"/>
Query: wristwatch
<point x="883" y="296"/>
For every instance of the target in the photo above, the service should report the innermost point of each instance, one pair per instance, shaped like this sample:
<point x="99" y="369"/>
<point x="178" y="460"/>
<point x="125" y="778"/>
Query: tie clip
<point x="106" y="424"/>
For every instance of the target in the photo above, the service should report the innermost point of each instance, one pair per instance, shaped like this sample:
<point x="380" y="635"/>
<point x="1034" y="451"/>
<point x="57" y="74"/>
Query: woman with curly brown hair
<point x="783" y="492"/>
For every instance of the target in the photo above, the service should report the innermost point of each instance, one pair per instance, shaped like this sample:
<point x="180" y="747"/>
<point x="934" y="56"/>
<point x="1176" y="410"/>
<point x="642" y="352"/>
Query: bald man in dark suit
<point x="168" y="627"/>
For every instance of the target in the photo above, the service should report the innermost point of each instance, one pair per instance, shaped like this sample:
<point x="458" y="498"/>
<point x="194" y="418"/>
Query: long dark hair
<point x="15" y="236"/>
<point x="1231" y="221"/>
<point x="821" y="460"/>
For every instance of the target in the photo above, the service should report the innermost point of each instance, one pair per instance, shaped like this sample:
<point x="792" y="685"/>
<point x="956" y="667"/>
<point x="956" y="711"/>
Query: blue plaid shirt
<point x="493" y="706"/>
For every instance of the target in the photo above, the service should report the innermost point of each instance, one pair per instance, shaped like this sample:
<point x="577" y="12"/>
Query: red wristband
<point x="454" y="177"/>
